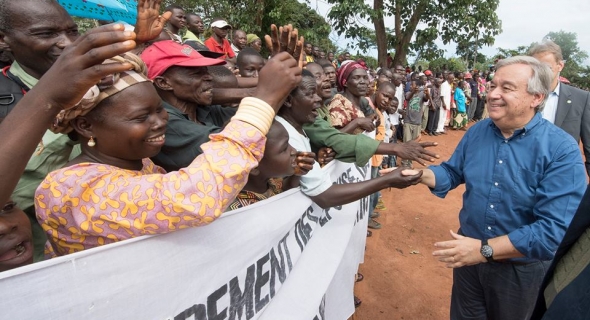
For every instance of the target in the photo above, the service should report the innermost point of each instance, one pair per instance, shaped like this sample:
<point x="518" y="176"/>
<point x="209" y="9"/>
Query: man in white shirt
<point x="445" y="93"/>
<point x="566" y="107"/>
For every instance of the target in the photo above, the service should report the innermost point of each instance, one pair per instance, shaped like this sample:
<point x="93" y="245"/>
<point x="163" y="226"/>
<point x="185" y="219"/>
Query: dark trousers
<point x="496" y="291"/>
<point x="479" y="111"/>
<point x="433" y="117"/>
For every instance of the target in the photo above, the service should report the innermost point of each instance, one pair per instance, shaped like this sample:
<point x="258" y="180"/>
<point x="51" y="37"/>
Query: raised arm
<point x="77" y="69"/>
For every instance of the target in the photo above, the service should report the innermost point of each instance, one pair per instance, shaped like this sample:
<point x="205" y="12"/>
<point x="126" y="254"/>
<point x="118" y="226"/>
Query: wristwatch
<point x="486" y="251"/>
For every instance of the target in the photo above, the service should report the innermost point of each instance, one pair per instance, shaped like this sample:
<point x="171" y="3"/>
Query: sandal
<point x="374" y="215"/>
<point x="359" y="277"/>
<point x="369" y="233"/>
<point x="374" y="224"/>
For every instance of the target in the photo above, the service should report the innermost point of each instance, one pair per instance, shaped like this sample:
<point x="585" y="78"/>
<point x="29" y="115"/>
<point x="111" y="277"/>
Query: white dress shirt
<point x="550" y="109"/>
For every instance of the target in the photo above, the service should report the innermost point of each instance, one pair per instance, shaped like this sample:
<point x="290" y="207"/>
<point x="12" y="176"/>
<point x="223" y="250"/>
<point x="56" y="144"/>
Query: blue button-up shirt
<point x="527" y="186"/>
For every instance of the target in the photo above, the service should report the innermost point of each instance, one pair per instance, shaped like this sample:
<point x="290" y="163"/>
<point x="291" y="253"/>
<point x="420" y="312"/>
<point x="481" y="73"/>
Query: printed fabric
<point x="90" y="204"/>
<point x="342" y="112"/>
<point x="246" y="198"/>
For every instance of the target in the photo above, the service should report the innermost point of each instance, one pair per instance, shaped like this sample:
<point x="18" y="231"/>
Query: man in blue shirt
<point x="524" y="179"/>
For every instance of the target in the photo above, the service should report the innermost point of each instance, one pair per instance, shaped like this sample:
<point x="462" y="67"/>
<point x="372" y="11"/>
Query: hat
<point x="251" y="38"/>
<point x="428" y="72"/>
<point x="203" y="50"/>
<point x="468" y="75"/>
<point x="164" y="54"/>
<point x="107" y="87"/>
<point x="220" y="24"/>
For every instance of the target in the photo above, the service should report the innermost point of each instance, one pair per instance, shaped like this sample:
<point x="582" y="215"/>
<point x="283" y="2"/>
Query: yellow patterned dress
<point x="90" y="204"/>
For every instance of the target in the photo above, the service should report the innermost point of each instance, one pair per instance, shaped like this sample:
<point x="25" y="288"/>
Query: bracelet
<point x="256" y="113"/>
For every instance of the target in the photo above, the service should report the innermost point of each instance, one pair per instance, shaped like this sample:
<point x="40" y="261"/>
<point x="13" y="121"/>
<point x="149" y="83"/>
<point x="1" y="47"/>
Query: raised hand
<point x="80" y="65"/>
<point x="149" y="23"/>
<point x="284" y="39"/>
<point x="277" y="78"/>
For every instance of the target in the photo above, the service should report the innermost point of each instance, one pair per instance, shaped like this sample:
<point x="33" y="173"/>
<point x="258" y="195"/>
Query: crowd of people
<point x="155" y="130"/>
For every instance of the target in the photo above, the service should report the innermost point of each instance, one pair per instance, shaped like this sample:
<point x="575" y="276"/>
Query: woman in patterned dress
<point x="113" y="191"/>
<point x="349" y="108"/>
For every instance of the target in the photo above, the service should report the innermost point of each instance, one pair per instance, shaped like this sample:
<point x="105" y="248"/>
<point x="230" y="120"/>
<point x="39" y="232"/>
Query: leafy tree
<point x="417" y="23"/>
<point x="256" y="16"/>
<point x="452" y="64"/>
<point x="572" y="54"/>
<point x="506" y="53"/>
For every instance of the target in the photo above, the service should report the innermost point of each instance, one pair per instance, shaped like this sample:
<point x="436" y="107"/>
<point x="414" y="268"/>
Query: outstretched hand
<point x="276" y="79"/>
<point x="79" y="67"/>
<point x="401" y="178"/>
<point x="149" y="23"/>
<point x="416" y="151"/>
<point x="284" y="39"/>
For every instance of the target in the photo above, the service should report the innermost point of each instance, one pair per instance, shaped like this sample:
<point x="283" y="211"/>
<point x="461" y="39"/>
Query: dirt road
<point x="402" y="278"/>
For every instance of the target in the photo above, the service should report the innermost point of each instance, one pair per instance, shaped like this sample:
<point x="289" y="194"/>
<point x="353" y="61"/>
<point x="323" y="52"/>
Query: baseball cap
<point x="428" y="72"/>
<point x="220" y="24"/>
<point x="164" y="54"/>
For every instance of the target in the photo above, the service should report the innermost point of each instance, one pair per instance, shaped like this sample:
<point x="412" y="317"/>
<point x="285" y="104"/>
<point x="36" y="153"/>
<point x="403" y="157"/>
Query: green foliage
<point x="427" y="20"/>
<point x="256" y="16"/>
<point x="572" y="54"/>
<point x="453" y="64"/>
<point x="506" y="53"/>
<point x="85" y="24"/>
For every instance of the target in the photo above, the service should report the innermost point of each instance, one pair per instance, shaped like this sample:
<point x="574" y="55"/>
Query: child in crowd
<point x="249" y="63"/>
<point x="16" y="244"/>
<point x="280" y="160"/>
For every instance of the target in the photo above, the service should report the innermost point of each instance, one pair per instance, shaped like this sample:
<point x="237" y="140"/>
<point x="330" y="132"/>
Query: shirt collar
<point x="556" y="91"/>
<point x="537" y="119"/>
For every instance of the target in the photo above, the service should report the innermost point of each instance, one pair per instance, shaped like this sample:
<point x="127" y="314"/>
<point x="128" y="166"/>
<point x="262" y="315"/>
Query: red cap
<point x="164" y="54"/>
<point x="428" y="72"/>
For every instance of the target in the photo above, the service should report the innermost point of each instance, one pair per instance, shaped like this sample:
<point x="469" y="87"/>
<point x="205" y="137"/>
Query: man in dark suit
<point x="567" y="107"/>
<point x="564" y="294"/>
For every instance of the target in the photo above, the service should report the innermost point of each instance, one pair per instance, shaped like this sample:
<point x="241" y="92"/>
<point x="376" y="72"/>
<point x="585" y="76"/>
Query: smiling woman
<point x="345" y="108"/>
<point x="112" y="191"/>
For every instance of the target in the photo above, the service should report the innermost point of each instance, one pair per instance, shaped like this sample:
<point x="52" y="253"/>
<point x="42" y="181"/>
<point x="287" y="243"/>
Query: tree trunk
<point x="379" y="24"/>
<point x="403" y="37"/>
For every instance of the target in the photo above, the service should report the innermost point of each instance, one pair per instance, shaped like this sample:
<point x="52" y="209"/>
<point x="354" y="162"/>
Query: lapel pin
<point x="569" y="101"/>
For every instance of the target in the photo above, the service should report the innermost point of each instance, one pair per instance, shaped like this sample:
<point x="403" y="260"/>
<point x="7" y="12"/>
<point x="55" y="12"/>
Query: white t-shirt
<point x="388" y="131"/>
<point x="315" y="181"/>
<point x="445" y="93"/>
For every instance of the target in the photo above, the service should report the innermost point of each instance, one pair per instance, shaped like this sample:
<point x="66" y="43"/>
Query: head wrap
<point x="344" y="72"/>
<point x="251" y="38"/>
<point x="107" y="87"/>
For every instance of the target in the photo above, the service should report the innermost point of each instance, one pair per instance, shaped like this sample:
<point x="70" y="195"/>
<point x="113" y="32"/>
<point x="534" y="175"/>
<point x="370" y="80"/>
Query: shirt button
<point x="492" y="206"/>
<point x="489" y="228"/>
<point x="505" y="141"/>
<point x="500" y="162"/>
<point x="496" y="184"/>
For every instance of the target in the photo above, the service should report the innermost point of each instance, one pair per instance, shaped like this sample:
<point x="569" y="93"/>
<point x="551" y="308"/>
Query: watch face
<point x="486" y="251"/>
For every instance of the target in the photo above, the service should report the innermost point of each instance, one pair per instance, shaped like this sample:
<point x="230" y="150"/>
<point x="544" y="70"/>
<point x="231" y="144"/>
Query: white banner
<point x="283" y="258"/>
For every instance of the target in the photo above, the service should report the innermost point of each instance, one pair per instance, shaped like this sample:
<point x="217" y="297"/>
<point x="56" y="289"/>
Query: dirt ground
<point x="402" y="278"/>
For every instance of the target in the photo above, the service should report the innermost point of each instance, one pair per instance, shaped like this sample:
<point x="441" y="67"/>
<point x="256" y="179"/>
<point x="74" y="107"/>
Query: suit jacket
<point x="574" y="300"/>
<point x="573" y="116"/>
